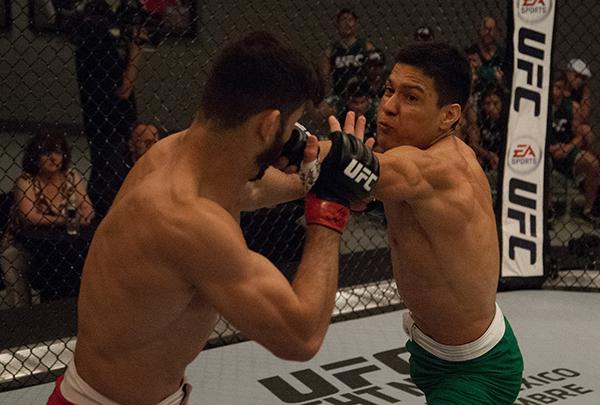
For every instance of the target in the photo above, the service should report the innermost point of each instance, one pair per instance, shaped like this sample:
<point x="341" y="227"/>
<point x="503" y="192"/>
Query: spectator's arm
<point x="325" y="69"/>
<point x="586" y="103"/>
<point x="578" y="118"/>
<point x="577" y="138"/>
<point x="85" y="208"/>
<point x="25" y="196"/>
<point x="131" y="71"/>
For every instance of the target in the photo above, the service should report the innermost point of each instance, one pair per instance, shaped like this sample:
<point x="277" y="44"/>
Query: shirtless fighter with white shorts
<point x="170" y="255"/>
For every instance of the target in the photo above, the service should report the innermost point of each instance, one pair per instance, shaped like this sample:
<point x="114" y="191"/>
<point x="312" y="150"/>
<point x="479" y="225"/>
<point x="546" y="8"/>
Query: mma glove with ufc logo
<point x="348" y="174"/>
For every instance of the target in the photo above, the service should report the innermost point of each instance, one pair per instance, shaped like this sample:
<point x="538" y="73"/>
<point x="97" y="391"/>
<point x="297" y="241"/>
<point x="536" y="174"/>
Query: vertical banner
<point x="522" y="214"/>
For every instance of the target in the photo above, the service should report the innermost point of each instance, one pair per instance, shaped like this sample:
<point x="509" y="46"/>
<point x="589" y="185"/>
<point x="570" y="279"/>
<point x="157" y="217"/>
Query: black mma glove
<point x="349" y="172"/>
<point x="293" y="149"/>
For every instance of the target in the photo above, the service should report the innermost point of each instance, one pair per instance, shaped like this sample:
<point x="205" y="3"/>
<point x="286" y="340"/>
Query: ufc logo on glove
<point x="359" y="173"/>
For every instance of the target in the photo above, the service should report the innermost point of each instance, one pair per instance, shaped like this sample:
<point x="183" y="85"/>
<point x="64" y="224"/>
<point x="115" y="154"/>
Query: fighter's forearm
<point x="316" y="281"/>
<point x="274" y="188"/>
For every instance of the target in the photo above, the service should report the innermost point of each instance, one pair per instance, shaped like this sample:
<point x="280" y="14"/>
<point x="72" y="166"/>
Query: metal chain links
<point x="62" y="64"/>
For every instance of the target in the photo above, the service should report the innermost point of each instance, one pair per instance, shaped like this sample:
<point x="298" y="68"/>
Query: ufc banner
<point x="522" y="213"/>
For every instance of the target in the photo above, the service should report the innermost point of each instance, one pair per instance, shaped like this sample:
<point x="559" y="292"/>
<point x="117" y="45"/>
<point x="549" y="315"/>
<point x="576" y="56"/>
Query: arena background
<point x="39" y="90"/>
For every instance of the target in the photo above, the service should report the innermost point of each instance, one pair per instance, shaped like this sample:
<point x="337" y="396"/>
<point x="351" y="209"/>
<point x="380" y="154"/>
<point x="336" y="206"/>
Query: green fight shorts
<point x="493" y="378"/>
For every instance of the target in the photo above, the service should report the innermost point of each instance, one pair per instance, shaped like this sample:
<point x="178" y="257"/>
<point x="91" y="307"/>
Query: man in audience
<point x="356" y="97"/>
<point x="492" y="129"/>
<point x="375" y="72"/>
<point x="107" y="64"/>
<point x="576" y="86"/>
<point x="565" y="148"/>
<point x="492" y="54"/>
<point x="344" y="58"/>
<point x="142" y="138"/>
<point x="577" y="89"/>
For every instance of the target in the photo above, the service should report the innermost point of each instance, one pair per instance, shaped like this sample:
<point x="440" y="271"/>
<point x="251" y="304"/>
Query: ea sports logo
<point x="533" y="10"/>
<point x="524" y="155"/>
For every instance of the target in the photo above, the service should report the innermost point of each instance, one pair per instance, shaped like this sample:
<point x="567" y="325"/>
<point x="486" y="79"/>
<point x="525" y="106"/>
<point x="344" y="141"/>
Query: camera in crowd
<point x="138" y="24"/>
<point x="130" y="20"/>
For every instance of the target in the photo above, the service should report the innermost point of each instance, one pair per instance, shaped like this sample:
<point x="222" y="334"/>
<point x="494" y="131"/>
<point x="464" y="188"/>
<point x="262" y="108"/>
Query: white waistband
<point x="468" y="351"/>
<point x="76" y="390"/>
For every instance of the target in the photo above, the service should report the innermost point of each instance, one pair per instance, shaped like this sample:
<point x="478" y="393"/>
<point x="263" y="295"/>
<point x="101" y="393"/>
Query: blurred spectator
<point x="42" y="194"/>
<point x="576" y="87"/>
<point x="345" y="57"/>
<point x="355" y="97"/>
<point x="492" y="128"/>
<point x="375" y="72"/>
<point x="564" y="147"/>
<point x="107" y="59"/>
<point x="469" y="122"/>
<point x="142" y="138"/>
<point x="424" y="33"/>
<point x="473" y="54"/>
<point x="492" y="54"/>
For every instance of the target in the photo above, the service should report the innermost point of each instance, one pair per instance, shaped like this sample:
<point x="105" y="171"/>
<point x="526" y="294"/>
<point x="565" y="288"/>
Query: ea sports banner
<point x="522" y="214"/>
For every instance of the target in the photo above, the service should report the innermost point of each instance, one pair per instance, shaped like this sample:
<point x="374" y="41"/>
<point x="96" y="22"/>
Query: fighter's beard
<point x="270" y="155"/>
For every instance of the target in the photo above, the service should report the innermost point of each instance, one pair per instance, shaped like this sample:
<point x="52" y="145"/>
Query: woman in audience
<point x="42" y="194"/>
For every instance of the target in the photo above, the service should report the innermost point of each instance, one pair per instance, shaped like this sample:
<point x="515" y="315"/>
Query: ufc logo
<point x="531" y="3"/>
<point x="523" y="150"/>
<point x="560" y="125"/>
<point x="359" y="173"/>
<point x="349" y="60"/>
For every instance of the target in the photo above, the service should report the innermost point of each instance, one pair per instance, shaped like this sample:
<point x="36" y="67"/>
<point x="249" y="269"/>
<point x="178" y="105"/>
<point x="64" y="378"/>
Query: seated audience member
<point x="565" y="148"/>
<point x="375" y="72"/>
<point x="577" y="89"/>
<point x="474" y="57"/>
<point x="468" y="129"/>
<point x="424" y="33"/>
<point x="492" y="54"/>
<point x="141" y="140"/>
<point x="492" y="128"/>
<point x="576" y="86"/>
<point x="41" y="195"/>
<point x="355" y="97"/>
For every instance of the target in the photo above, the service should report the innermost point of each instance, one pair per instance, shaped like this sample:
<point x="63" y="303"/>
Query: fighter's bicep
<point x="244" y="286"/>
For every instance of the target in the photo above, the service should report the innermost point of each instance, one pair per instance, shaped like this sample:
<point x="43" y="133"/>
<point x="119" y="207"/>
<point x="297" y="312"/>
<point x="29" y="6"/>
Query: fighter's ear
<point x="450" y="116"/>
<point x="267" y="123"/>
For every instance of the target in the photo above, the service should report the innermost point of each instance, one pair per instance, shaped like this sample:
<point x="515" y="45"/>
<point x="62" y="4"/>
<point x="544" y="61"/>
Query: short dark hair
<point x="345" y="11"/>
<point x="445" y="64"/>
<point x="43" y="142"/>
<point x="254" y="74"/>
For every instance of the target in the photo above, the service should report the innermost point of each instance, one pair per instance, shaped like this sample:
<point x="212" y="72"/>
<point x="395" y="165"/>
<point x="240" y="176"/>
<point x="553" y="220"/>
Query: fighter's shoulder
<point x="451" y="162"/>
<point x="198" y="224"/>
<point x="455" y="153"/>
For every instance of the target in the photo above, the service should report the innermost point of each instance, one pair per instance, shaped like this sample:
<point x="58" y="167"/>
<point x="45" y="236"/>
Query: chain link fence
<point x="97" y="82"/>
